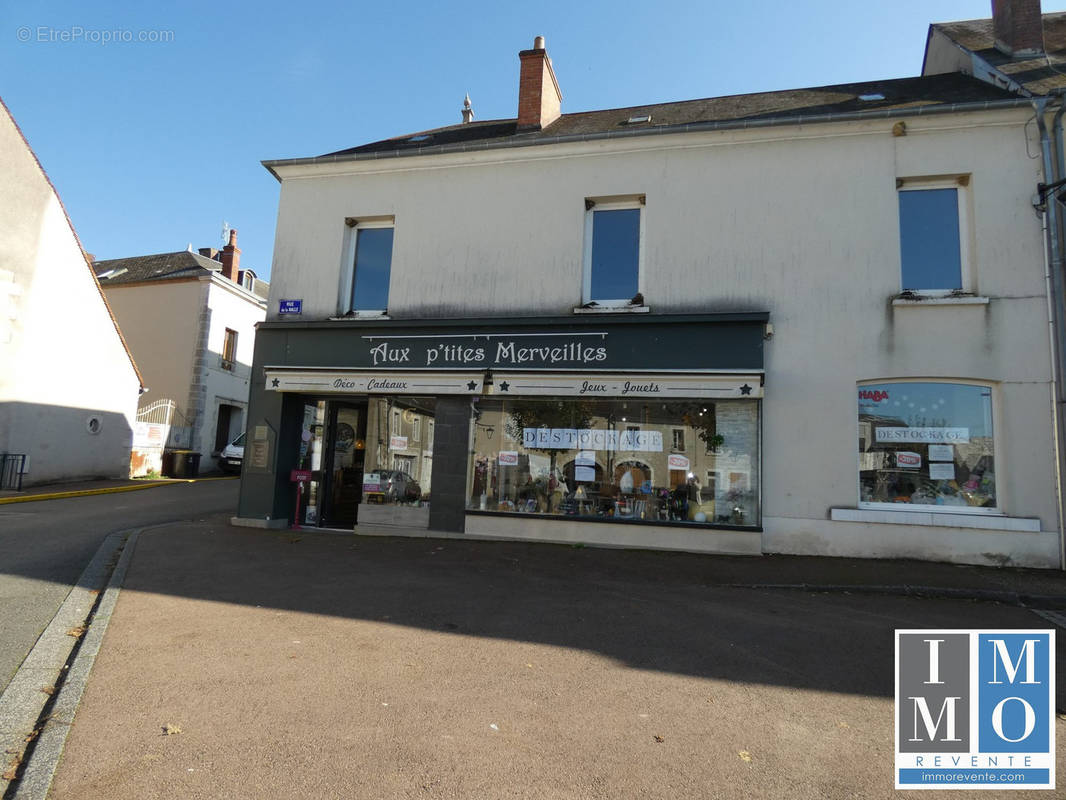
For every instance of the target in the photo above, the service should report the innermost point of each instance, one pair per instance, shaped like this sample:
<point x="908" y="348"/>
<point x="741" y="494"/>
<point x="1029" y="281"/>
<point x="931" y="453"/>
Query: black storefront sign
<point x="706" y="342"/>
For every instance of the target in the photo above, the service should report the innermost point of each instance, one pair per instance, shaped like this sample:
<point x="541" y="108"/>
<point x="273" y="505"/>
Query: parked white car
<point x="232" y="455"/>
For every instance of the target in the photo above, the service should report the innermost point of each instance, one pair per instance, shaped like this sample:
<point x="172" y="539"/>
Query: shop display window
<point x="927" y="444"/>
<point x="614" y="459"/>
<point x="397" y="466"/>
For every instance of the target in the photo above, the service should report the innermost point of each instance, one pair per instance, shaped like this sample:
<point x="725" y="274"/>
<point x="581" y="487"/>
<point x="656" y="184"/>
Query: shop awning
<point x="332" y="381"/>
<point x="712" y="386"/>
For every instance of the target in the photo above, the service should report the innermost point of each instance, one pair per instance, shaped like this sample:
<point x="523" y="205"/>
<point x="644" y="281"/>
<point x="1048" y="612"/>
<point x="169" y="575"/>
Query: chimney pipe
<point x="1018" y="27"/>
<point x="539" y="98"/>
<point x="468" y="112"/>
<point x="231" y="257"/>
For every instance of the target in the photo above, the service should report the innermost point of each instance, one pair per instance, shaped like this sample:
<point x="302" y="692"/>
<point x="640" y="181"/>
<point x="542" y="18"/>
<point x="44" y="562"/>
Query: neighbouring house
<point x="189" y="318"/>
<point x="812" y="321"/>
<point x="68" y="384"/>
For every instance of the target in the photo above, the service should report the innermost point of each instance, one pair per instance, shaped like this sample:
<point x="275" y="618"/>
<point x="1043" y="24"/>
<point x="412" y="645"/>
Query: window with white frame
<point x="927" y="444"/>
<point x="613" y="259"/>
<point x="229" y="349"/>
<point x="371" y="260"/>
<point x="679" y="439"/>
<point x="933" y="234"/>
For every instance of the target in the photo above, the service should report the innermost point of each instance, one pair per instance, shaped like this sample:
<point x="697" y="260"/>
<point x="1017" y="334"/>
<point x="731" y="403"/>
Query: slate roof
<point x="1038" y="75"/>
<point x="898" y="94"/>
<point x="163" y="266"/>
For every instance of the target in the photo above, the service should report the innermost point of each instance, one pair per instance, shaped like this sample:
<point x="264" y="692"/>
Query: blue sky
<point x="153" y="144"/>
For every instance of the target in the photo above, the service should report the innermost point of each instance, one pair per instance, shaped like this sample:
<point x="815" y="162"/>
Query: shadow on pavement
<point x="648" y="610"/>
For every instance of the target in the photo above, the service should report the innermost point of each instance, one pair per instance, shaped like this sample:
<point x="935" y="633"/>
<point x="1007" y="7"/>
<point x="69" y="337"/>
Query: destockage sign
<point x="975" y="709"/>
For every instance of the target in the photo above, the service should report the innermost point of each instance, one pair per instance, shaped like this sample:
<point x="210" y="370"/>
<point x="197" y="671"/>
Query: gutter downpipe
<point x="1052" y="225"/>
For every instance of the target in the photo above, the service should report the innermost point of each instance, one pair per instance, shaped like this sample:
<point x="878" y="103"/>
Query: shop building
<point x="811" y="321"/>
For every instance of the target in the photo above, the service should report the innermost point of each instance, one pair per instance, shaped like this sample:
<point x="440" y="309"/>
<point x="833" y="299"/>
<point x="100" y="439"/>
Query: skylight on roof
<point x="422" y="137"/>
<point x="638" y="119"/>
<point x="870" y="97"/>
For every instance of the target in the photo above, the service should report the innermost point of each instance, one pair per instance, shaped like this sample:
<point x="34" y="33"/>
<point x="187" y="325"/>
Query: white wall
<point x="800" y="221"/>
<point x="231" y="307"/>
<point x="62" y="361"/>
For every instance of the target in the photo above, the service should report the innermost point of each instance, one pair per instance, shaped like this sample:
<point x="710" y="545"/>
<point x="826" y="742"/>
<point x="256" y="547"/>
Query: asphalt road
<point x="45" y="545"/>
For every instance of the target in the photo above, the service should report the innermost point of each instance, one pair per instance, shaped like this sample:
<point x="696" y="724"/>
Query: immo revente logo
<point x="975" y="709"/>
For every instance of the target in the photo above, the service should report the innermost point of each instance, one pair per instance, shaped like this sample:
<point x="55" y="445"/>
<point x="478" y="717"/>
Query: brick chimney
<point x="539" y="97"/>
<point x="1018" y="27"/>
<point x="231" y="257"/>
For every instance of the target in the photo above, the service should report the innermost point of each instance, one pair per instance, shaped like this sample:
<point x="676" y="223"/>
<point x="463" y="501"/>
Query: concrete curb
<point x="36" y="778"/>
<point x="109" y="490"/>
<point x="24" y="698"/>
<point x="1021" y="599"/>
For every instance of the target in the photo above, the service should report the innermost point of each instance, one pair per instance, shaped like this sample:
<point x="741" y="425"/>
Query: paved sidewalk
<point x="257" y="664"/>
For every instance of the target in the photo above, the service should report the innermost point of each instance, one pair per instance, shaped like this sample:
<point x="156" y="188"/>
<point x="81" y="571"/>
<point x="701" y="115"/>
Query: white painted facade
<point x="68" y="387"/>
<point x="228" y="306"/>
<point x="801" y="221"/>
<point x="176" y="329"/>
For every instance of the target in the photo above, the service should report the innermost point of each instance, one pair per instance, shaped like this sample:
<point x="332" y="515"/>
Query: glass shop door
<point x="309" y="493"/>
<point x="345" y="451"/>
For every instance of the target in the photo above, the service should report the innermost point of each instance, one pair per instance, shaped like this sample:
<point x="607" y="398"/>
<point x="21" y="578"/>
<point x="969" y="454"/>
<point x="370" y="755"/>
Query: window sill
<point x="939" y="300"/>
<point x="361" y="315"/>
<point x="612" y="310"/>
<point x="595" y="519"/>
<point x="936" y="519"/>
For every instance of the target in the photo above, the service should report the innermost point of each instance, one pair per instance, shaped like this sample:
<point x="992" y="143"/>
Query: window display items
<point x="612" y="459"/>
<point x="927" y="444"/>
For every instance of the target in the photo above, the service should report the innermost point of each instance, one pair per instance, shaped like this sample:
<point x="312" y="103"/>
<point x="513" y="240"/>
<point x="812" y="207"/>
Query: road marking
<point x="1055" y="617"/>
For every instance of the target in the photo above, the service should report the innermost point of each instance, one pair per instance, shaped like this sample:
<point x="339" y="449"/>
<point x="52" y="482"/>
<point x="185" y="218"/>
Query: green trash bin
<point x="185" y="464"/>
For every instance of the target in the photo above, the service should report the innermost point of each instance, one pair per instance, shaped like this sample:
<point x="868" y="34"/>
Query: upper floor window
<point x="229" y="349"/>
<point x="613" y="251"/>
<point x="933" y="235"/>
<point x="371" y="267"/>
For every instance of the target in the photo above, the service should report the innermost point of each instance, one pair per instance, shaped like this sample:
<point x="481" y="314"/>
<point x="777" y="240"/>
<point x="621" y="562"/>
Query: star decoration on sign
<point x="504" y="386"/>
<point x="275" y="383"/>
<point x="745" y="389"/>
<point x="472" y="385"/>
